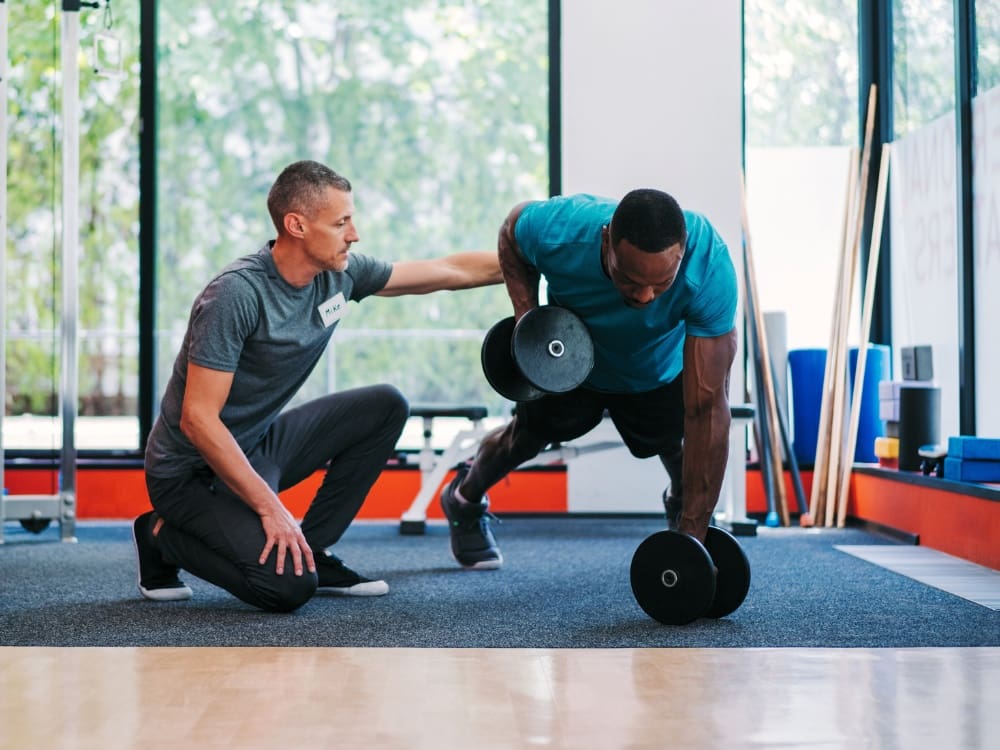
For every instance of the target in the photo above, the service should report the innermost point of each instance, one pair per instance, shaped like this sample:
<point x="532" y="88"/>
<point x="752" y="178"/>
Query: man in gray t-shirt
<point x="222" y="447"/>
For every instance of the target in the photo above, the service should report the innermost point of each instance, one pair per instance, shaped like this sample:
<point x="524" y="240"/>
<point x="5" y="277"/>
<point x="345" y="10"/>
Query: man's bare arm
<point x="706" y="427"/>
<point x="520" y="278"/>
<point x="465" y="270"/>
<point x="204" y="396"/>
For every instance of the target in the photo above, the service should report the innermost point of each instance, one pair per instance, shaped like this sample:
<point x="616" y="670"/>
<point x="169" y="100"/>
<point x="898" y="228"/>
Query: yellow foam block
<point x="886" y="447"/>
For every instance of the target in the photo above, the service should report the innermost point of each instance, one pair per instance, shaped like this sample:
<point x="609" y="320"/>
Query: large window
<point x="436" y="110"/>
<point x="924" y="193"/>
<point x="108" y="208"/>
<point x="987" y="46"/>
<point x="801" y="88"/>
<point x="986" y="214"/>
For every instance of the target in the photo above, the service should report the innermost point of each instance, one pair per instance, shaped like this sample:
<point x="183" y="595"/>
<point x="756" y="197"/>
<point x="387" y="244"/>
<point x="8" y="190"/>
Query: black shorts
<point x="651" y="423"/>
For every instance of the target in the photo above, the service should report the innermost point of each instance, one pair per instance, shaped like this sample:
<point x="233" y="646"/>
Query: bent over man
<point x="656" y="288"/>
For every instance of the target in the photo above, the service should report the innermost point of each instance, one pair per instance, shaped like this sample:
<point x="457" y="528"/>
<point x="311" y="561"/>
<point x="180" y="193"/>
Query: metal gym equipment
<point x="36" y="511"/>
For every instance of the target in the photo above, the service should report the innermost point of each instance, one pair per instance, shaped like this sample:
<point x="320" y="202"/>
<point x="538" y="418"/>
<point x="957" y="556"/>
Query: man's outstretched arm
<point x="464" y="270"/>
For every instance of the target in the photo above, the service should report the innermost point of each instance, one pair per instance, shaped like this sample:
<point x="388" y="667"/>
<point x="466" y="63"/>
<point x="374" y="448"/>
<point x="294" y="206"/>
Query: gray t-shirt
<point x="270" y="334"/>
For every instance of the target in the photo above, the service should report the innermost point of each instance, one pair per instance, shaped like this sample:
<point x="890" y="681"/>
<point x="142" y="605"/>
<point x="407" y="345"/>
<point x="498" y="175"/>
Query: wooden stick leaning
<point x="875" y="246"/>
<point x="837" y="356"/>
<point x="817" y="495"/>
<point x="768" y="396"/>
<point x="838" y="451"/>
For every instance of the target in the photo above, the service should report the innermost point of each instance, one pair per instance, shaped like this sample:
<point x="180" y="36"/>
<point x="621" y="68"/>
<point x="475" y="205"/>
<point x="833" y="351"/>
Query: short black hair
<point x="300" y="188"/>
<point x="649" y="219"/>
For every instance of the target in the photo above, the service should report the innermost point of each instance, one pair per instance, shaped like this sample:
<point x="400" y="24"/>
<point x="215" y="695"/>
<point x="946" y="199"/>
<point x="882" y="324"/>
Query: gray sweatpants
<point x="212" y="533"/>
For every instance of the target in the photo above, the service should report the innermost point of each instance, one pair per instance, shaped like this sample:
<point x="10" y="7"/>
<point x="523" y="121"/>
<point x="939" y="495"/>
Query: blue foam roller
<point x="960" y="470"/>
<point x="976" y="448"/>
<point x="870" y="425"/>
<point x="807" y="367"/>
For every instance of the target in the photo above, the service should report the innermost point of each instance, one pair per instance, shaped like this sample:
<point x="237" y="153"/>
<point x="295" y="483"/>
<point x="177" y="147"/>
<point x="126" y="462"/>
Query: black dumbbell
<point x="548" y="350"/>
<point x="676" y="579"/>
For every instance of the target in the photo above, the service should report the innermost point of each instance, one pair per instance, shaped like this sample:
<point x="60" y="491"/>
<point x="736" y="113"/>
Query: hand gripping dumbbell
<point x="676" y="579"/>
<point x="548" y="350"/>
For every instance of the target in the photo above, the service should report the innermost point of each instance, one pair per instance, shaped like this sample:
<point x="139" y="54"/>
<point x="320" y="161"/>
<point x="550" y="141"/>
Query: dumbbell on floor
<point x="548" y="350"/>
<point x="676" y="579"/>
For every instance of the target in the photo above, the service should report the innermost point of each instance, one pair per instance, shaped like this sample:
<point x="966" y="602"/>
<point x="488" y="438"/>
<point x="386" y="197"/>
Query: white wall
<point x="986" y="172"/>
<point x="651" y="97"/>
<point x="923" y="204"/>
<point x="796" y="198"/>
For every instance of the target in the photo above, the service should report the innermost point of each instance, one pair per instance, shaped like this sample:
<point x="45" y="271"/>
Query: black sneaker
<point x="157" y="578"/>
<point x="338" y="579"/>
<point x="472" y="540"/>
<point x="672" y="506"/>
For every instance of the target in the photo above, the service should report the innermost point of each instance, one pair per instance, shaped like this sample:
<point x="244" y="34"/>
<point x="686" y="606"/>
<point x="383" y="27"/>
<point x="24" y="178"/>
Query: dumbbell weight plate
<point x="733" y="579"/>
<point x="499" y="367"/>
<point x="673" y="578"/>
<point x="553" y="349"/>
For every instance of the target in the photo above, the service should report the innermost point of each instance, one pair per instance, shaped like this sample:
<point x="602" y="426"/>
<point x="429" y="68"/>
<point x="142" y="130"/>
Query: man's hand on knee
<point x="284" y="535"/>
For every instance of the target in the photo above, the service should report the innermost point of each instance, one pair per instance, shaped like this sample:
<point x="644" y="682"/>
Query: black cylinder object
<point x="919" y="423"/>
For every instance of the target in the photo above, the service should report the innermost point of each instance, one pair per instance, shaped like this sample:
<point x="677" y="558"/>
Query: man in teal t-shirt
<point x="656" y="289"/>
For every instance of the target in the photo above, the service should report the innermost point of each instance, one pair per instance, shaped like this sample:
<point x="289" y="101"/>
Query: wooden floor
<point x="293" y="698"/>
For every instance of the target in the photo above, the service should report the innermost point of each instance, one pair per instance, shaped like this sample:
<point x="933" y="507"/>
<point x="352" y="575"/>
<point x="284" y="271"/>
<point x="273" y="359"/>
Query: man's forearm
<point x="225" y="457"/>
<point x="706" y="454"/>
<point x="474" y="268"/>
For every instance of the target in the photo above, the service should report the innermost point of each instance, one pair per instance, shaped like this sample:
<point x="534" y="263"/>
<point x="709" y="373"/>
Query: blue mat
<point x="564" y="584"/>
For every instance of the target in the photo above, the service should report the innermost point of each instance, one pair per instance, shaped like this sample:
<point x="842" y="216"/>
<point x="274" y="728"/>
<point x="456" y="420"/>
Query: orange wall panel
<point x="961" y="525"/>
<point x="30" y="481"/>
<point x="395" y="490"/>
<point x="121" y="492"/>
<point x="757" y="498"/>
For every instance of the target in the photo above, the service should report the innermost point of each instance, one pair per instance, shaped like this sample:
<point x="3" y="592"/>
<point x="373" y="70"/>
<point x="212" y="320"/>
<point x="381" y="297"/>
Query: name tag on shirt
<point x="333" y="309"/>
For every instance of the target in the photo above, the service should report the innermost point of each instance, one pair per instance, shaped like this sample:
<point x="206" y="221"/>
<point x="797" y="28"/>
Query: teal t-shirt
<point x="635" y="350"/>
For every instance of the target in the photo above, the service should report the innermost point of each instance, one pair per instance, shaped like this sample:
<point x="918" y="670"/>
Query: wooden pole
<point x="838" y="451"/>
<point x="817" y="495"/>
<point x="866" y="322"/>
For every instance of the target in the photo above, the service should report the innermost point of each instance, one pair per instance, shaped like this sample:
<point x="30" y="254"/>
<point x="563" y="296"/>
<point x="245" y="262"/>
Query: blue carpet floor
<point x="564" y="584"/>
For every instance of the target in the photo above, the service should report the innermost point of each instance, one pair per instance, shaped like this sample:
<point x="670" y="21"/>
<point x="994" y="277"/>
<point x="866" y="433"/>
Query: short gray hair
<point x="300" y="188"/>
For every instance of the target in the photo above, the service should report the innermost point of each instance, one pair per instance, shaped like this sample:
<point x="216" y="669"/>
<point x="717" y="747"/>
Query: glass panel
<point x="987" y="45"/>
<point x="801" y="83"/>
<point x="923" y="63"/>
<point x="924" y="194"/>
<point x="986" y="208"/>
<point x="108" y="205"/>
<point x="436" y="110"/>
